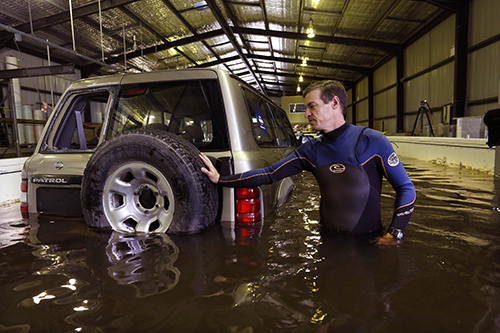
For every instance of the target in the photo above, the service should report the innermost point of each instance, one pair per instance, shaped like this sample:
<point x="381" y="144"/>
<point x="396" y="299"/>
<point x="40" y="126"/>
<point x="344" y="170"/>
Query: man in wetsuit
<point x="348" y="162"/>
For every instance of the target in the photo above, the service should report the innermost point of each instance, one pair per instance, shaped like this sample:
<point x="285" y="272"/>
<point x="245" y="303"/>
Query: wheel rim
<point x="138" y="198"/>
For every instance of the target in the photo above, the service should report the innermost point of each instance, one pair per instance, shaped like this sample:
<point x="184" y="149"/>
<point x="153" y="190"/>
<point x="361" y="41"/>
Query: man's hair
<point x="329" y="89"/>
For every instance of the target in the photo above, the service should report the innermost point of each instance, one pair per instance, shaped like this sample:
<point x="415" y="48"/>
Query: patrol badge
<point x="393" y="159"/>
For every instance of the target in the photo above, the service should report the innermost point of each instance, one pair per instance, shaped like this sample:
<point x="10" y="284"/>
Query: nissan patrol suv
<point x="123" y="151"/>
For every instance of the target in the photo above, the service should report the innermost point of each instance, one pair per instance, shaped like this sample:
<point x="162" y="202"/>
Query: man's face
<point x="319" y="113"/>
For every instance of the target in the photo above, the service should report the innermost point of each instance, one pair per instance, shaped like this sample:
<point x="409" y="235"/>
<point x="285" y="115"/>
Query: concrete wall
<point x="468" y="153"/>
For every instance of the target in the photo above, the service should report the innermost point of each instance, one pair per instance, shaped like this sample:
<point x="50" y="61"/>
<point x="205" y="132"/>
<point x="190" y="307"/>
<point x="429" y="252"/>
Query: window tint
<point x="263" y="125"/>
<point x="191" y="109"/>
<point x="80" y="127"/>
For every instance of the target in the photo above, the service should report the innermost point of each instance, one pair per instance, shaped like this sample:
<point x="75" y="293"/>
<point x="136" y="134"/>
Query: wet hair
<point x="329" y="89"/>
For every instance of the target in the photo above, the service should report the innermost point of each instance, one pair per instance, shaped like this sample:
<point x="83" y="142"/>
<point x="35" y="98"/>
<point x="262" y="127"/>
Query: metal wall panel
<point x="432" y="48"/>
<point x="483" y="22"/>
<point x="385" y="125"/>
<point x="348" y="114"/>
<point x="409" y="122"/>
<point x="480" y="110"/>
<point x="362" y="111"/>
<point x="380" y="105"/>
<point x="441" y="86"/>
<point x="363" y="123"/>
<point x="384" y="101"/>
<point x="362" y="89"/>
<point x="442" y="41"/>
<point x="384" y="104"/>
<point x="417" y="56"/>
<point x="415" y="91"/>
<point x="483" y="74"/>
<point x="385" y="76"/>
<point x="483" y="64"/>
<point x="349" y="97"/>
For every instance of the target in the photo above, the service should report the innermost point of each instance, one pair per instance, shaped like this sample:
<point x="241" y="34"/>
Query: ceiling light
<point x="202" y="5"/>
<point x="301" y="78"/>
<point x="304" y="61"/>
<point x="298" y="88"/>
<point x="310" y="29"/>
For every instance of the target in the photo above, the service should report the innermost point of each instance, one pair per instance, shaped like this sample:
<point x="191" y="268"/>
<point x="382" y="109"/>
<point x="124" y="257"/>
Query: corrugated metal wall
<point x="55" y="83"/>
<point x="384" y="99"/>
<point x="349" y="106"/>
<point x="362" y="103"/>
<point x="429" y="66"/>
<point x="429" y="72"/>
<point x="484" y="63"/>
<point x="35" y="91"/>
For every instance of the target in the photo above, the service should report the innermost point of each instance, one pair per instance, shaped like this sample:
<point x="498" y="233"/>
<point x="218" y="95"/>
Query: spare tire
<point x="147" y="181"/>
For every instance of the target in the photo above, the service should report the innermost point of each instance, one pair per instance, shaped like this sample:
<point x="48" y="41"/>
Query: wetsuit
<point x="348" y="164"/>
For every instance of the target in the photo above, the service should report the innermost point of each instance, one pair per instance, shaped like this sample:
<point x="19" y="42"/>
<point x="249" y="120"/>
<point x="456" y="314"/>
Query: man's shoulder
<point x="377" y="140"/>
<point x="372" y="133"/>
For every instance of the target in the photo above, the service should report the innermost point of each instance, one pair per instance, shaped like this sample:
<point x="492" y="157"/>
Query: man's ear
<point x="335" y="102"/>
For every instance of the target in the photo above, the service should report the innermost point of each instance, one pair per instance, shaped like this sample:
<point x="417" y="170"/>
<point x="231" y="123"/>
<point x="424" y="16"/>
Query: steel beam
<point x="388" y="47"/>
<point x="37" y="71"/>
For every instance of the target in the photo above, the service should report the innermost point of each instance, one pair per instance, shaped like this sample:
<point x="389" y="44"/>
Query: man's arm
<point x="405" y="191"/>
<point x="289" y="166"/>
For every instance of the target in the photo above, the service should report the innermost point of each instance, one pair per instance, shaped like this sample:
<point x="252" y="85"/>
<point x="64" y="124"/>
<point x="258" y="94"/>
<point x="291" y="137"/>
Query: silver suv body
<point x="226" y="119"/>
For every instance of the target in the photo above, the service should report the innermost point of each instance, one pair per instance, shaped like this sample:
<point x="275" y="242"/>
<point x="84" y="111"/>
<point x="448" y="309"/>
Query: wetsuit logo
<point x="337" y="168"/>
<point x="393" y="160"/>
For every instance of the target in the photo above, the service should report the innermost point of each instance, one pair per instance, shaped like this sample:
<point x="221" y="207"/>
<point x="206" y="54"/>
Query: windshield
<point x="191" y="109"/>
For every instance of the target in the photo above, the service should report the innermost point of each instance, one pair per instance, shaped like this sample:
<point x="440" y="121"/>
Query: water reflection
<point x="143" y="261"/>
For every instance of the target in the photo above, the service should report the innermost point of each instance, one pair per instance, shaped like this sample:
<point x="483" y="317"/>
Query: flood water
<point x="283" y="276"/>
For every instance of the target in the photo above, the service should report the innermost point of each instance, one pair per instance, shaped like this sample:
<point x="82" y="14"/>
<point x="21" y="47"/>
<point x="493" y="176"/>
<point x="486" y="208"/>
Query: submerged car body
<point x="226" y="119"/>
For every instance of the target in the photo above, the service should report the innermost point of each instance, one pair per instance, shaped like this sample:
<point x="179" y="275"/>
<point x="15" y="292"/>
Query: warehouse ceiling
<point x="264" y="42"/>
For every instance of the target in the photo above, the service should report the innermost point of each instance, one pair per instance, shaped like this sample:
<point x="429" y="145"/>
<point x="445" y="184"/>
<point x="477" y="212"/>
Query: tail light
<point x="24" y="198"/>
<point x="248" y="208"/>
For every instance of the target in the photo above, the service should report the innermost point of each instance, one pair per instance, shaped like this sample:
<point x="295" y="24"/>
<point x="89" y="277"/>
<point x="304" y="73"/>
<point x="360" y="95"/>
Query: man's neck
<point x="335" y="125"/>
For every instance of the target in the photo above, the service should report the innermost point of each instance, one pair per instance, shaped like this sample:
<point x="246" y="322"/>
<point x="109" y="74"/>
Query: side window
<point x="284" y="128"/>
<point x="263" y="125"/>
<point x="81" y="123"/>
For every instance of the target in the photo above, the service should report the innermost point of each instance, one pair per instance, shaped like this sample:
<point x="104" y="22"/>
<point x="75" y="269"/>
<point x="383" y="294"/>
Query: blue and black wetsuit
<point x="348" y="164"/>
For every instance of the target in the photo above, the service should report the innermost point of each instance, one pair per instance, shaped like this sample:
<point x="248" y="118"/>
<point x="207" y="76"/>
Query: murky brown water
<point x="284" y="276"/>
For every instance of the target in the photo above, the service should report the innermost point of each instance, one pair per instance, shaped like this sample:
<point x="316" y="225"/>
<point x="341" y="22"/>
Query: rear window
<point x="191" y="109"/>
<point x="80" y="125"/>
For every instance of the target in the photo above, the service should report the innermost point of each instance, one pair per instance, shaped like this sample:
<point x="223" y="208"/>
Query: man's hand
<point x="211" y="172"/>
<point x="387" y="239"/>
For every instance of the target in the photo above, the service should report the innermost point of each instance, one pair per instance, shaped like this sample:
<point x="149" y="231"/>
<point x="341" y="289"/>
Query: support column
<point x="353" y="108"/>
<point x="461" y="49"/>
<point x="370" y="100"/>
<point x="400" y="97"/>
<point x="497" y="161"/>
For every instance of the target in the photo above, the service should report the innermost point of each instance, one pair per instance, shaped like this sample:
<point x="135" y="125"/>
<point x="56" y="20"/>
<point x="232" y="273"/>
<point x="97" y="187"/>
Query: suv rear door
<point x="55" y="172"/>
